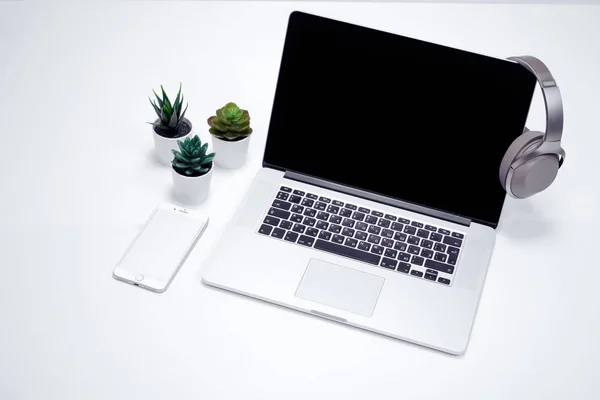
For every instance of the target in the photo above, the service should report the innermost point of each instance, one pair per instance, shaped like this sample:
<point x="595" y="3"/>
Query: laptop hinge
<point x="311" y="180"/>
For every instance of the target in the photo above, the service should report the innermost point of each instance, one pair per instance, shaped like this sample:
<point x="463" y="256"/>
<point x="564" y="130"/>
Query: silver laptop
<point x="379" y="196"/>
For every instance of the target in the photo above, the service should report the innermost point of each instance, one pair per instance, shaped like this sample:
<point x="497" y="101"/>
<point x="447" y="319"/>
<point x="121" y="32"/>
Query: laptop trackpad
<point x="340" y="287"/>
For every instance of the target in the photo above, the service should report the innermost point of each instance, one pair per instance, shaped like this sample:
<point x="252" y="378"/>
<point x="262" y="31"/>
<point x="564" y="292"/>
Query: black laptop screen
<point x="396" y="116"/>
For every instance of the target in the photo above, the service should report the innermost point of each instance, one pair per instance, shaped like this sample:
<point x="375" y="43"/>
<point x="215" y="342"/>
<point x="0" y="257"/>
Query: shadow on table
<point x="521" y="219"/>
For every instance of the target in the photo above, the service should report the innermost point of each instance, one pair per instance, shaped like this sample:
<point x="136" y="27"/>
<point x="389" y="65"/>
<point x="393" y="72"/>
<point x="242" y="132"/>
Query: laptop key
<point x="322" y="215"/>
<point x="390" y="217"/>
<point x="351" y="242"/>
<point x="295" y="199"/>
<point x="335" y="228"/>
<point x="390" y="253"/>
<point x="325" y="235"/>
<point x="452" y="259"/>
<point x="338" y="239"/>
<point x="374" y="229"/>
<point x="441" y="257"/>
<point x="387" y="233"/>
<point x="284" y="205"/>
<point x="404" y="221"/>
<point x="377" y="249"/>
<point x="285" y="189"/>
<point x="374" y="239"/>
<point x="279" y="213"/>
<point x="335" y="219"/>
<point x="414" y="272"/>
<point x="338" y="203"/>
<point x="306" y="240"/>
<point x="438" y="266"/>
<point x="282" y="196"/>
<point x="417" y="224"/>
<point x="413" y="240"/>
<point x="400" y="246"/>
<point x="428" y="244"/>
<point x="377" y="213"/>
<point x="312" y="232"/>
<point x="278" y="233"/>
<point x="350" y="206"/>
<point x="358" y="216"/>
<point x="436" y="236"/>
<point x="348" y="222"/>
<point x="348" y="232"/>
<point x="307" y="202"/>
<point x="360" y="235"/>
<point x="397" y="226"/>
<point x="309" y="221"/>
<point x="299" y="228"/>
<point x="361" y="226"/>
<point x="387" y="242"/>
<point x="431" y="271"/>
<point x="444" y="281"/>
<point x="285" y="224"/>
<point x="297" y="209"/>
<point x="430" y="277"/>
<point x="452" y="241"/>
<point x="388" y="263"/>
<point x="364" y="210"/>
<point x="443" y="231"/>
<point x="345" y="212"/>
<point x="422" y="233"/>
<point x="410" y="230"/>
<point x="404" y="257"/>
<point x="291" y="236"/>
<point x="364" y="246"/>
<point x="324" y="199"/>
<point x="452" y="250"/>
<point x="403" y="267"/>
<point x="458" y="235"/>
<point x="426" y="253"/>
<point x="430" y="228"/>
<point x="371" y="219"/>
<point x="265" y="229"/>
<point x="333" y="209"/>
<point x="271" y="220"/>
<point x="310" y="212"/>
<point x="384" y="223"/>
<point x="299" y="192"/>
<point x="417" y="260"/>
<point x="296" y="218"/>
<point x="439" y="247"/>
<point x="414" y="249"/>
<point x="322" y="224"/>
<point x="319" y="205"/>
<point x="312" y="196"/>
<point x="348" y="252"/>
<point x="400" y="236"/>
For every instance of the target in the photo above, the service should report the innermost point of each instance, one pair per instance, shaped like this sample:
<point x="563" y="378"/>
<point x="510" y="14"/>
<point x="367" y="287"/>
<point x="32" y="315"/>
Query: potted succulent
<point x="230" y="130"/>
<point x="192" y="170"/>
<point x="170" y="126"/>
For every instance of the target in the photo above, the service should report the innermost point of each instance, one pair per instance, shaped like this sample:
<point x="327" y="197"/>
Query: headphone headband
<point x="552" y="97"/>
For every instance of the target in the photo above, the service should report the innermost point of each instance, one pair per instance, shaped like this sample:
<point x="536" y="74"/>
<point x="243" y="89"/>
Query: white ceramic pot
<point x="164" y="145"/>
<point x="192" y="189"/>
<point x="230" y="154"/>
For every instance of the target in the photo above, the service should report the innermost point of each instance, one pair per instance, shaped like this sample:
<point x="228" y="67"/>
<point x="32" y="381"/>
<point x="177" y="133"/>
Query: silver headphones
<point x="532" y="161"/>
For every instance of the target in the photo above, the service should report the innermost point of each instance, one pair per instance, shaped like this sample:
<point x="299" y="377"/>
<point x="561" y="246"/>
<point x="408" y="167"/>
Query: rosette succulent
<point x="192" y="159"/>
<point x="231" y="123"/>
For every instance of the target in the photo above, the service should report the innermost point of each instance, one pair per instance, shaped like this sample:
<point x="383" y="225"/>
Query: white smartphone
<point x="156" y="254"/>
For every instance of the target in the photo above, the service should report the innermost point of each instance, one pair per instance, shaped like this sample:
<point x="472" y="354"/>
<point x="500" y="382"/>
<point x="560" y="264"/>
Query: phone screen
<point x="161" y="246"/>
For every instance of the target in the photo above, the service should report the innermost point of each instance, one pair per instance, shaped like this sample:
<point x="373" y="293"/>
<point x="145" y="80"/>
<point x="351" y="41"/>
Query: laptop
<point x="378" y="199"/>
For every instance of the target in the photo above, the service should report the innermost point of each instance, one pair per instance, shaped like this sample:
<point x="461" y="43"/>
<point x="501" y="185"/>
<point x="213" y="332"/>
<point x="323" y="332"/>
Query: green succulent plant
<point x="169" y="115"/>
<point x="192" y="158"/>
<point x="230" y="123"/>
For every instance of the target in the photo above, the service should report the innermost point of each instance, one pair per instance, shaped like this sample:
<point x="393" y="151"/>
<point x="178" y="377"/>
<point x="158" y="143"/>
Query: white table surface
<point x="78" y="180"/>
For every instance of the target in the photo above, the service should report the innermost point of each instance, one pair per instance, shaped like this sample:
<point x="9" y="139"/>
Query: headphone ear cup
<point x="518" y="147"/>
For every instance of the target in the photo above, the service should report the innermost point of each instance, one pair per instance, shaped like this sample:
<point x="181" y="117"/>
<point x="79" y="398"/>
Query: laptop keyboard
<point x="407" y="246"/>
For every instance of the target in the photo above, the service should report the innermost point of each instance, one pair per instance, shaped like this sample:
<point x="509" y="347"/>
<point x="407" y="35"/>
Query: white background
<point x="78" y="180"/>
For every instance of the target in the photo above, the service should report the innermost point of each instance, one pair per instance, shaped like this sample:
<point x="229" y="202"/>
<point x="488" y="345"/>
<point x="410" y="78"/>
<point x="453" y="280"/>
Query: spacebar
<point x="347" y="251"/>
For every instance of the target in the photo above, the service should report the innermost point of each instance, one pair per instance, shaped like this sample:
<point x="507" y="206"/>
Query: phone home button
<point x="139" y="277"/>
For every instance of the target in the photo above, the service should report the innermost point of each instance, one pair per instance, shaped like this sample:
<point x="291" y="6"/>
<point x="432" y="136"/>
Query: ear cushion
<point x="528" y="140"/>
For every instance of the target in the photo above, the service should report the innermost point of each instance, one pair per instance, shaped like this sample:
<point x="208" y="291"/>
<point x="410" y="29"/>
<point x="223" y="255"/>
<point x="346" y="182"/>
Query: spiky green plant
<point x="169" y="115"/>
<point x="230" y="123"/>
<point x="192" y="159"/>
